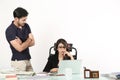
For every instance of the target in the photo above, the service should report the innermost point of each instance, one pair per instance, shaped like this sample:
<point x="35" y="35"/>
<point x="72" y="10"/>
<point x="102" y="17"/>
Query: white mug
<point x="68" y="73"/>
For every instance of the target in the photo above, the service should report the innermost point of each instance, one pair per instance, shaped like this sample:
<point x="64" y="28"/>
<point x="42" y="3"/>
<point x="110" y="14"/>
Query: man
<point x="20" y="38"/>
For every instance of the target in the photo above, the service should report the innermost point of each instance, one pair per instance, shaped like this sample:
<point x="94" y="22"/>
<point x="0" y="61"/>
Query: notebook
<point x="74" y="65"/>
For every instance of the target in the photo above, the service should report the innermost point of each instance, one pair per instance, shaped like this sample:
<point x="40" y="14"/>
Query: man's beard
<point x="21" y="24"/>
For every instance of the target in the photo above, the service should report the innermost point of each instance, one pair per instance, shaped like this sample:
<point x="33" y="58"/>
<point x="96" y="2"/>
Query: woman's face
<point x="61" y="48"/>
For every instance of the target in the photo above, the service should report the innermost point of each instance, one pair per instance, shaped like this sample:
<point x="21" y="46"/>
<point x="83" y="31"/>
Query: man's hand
<point x="19" y="45"/>
<point x="18" y="40"/>
<point x="32" y="38"/>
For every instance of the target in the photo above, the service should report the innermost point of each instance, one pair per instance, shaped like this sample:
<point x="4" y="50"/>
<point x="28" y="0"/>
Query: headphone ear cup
<point x="69" y="47"/>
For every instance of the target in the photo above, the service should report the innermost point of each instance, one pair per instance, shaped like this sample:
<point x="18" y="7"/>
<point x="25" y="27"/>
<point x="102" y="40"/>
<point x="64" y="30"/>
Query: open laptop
<point x="75" y="65"/>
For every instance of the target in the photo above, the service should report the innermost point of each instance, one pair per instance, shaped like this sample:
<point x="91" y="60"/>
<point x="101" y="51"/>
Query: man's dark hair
<point x="20" y="12"/>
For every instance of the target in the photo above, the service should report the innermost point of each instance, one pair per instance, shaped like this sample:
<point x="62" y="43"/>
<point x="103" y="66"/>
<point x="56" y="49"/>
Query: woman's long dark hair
<point x="61" y="40"/>
<point x="64" y="42"/>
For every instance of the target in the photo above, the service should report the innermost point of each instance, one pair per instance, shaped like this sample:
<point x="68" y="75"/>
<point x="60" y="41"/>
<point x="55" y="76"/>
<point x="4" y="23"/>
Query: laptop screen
<point x="74" y="65"/>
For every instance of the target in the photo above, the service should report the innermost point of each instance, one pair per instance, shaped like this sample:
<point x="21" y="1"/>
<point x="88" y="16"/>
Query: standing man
<point x="20" y="38"/>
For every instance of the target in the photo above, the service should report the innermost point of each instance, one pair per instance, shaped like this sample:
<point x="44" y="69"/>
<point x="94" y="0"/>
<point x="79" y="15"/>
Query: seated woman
<point x="61" y="53"/>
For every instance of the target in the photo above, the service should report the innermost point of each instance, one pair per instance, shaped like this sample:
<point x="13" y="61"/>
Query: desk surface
<point x="73" y="77"/>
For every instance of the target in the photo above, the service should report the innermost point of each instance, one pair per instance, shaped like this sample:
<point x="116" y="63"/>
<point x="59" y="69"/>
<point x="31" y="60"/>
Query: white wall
<point x="91" y="25"/>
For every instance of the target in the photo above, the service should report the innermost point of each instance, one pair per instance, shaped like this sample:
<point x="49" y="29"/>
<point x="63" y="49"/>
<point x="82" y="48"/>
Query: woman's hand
<point x="53" y="70"/>
<point x="68" y="54"/>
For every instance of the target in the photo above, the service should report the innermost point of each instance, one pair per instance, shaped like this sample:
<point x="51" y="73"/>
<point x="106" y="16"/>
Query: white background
<point x="91" y="25"/>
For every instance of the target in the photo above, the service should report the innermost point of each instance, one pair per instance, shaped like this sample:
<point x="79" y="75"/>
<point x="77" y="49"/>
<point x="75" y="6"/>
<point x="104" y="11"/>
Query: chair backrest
<point x="70" y="49"/>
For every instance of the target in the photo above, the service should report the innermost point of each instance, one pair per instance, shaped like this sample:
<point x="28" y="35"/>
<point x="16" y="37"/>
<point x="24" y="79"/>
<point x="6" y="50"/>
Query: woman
<point x="61" y="53"/>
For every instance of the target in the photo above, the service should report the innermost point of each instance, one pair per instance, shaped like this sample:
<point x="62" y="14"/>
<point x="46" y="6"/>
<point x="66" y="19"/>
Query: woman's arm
<point x="48" y="65"/>
<point x="69" y="55"/>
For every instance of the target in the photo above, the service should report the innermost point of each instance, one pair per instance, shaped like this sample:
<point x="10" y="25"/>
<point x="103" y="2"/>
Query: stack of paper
<point x="2" y="77"/>
<point x="113" y="75"/>
<point x="11" y="77"/>
<point x="42" y="74"/>
<point x="116" y="75"/>
<point x="8" y="77"/>
<point x="25" y="73"/>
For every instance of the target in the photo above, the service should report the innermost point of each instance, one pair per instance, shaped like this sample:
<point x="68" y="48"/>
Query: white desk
<point x="74" y="77"/>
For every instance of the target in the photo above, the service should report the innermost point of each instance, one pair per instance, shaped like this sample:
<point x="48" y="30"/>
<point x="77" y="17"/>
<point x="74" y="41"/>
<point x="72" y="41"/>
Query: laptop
<point x="74" y="65"/>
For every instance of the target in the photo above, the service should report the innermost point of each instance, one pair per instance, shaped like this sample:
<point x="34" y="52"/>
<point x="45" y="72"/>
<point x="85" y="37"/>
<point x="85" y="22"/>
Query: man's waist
<point x="19" y="59"/>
